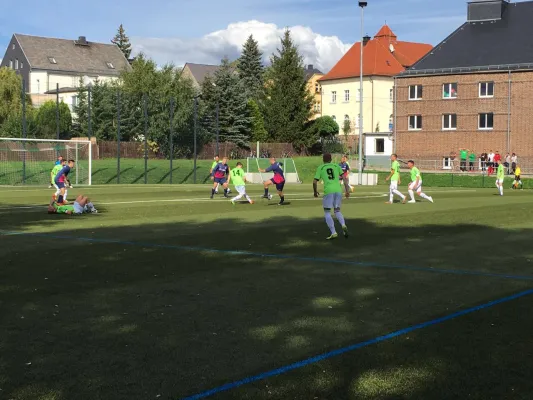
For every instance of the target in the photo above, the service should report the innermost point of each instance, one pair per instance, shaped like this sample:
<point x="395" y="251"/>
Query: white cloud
<point x="321" y="51"/>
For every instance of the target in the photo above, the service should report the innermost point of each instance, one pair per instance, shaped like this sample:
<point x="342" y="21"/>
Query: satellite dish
<point x="391" y="48"/>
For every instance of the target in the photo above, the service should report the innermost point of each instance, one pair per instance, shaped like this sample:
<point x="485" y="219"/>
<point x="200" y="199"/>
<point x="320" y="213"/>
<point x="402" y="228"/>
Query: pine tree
<point x="287" y="105"/>
<point x="81" y="119"/>
<point x="228" y="91"/>
<point x="259" y="133"/>
<point x="250" y="68"/>
<point x="103" y="111"/>
<point x="122" y="41"/>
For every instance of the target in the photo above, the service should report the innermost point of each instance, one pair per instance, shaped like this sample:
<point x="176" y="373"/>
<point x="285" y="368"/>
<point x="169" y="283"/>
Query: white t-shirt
<point x="491" y="157"/>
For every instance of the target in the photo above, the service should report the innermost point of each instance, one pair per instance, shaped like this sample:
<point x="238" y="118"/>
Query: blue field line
<point x="361" y="264"/>
<point x="343" y="350"/>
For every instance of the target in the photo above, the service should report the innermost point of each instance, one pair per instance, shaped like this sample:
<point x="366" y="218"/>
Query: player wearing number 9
<point x="330" y="174"/>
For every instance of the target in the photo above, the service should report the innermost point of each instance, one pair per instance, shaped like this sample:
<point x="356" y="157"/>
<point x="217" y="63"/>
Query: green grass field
<point x="166" y="294"/>
<point x="158" y="172"/>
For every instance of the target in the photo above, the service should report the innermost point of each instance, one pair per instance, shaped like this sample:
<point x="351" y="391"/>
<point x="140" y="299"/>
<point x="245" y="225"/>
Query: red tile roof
<point x="383" y="55"/>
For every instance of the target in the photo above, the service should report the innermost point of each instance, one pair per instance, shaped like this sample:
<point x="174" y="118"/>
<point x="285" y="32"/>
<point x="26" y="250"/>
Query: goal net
<point x="30" y="161"/>
<point x="253" y="165"/>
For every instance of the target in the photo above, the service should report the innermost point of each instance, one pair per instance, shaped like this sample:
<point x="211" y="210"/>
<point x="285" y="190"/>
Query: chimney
<point x="310" y="67"/>
<point x="366" y="39"/>
<point x="486" y="10"/>
<point x="82" y="41"/>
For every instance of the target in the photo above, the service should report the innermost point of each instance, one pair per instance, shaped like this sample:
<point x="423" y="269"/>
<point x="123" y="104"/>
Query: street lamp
<point x="362" y="5"/>
<point x="217" y="118"/>
<point x="195" y="132"/>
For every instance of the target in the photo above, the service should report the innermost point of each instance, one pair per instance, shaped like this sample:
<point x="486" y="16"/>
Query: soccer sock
<point x="501" y="190"/>
<point x="282" y="198"/>
<point x="424" y="196"/>
<point x="60" y="199"/>
<point x="225" y="191"/>
<point x="340" y="217"/>
<point x="248" y="198"/>
<point x="238" y="197"/>
<point x="411" y="194"/>
<point x="391" y="196"/>
<point x="330" y="222"/>
<point x="57" y="192"/>
<point x="398" y="194"/>
<point x="212" y="192"/>
<point x="266" y="191"/>
<point x="65" y="195"/>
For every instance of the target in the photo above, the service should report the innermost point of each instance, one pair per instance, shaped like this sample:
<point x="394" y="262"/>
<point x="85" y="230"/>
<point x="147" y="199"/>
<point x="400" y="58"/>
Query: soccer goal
<point x="30" y="161"/>
<point x="253" y="165"/>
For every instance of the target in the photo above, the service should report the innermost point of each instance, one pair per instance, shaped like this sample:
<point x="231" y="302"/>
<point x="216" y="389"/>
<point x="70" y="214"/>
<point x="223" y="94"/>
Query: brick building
<point x="473" y="90"/>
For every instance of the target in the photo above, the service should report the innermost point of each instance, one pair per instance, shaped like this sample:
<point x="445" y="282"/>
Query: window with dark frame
<point x="486" y="121"/>
<point x="449" y="122"/>
<point x="486" y="89"/>
<point x="415" y="92"/>
<point x="415" y="122"/>
<point x="380" y="145"/>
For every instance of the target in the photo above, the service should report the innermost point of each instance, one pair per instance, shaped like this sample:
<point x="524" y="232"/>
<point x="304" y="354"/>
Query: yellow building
<point x="313" y="76"/>
<point x="383" y="58"/>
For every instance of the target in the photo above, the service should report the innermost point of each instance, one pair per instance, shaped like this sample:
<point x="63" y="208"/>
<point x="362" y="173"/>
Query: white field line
<point x="198" y="200"/>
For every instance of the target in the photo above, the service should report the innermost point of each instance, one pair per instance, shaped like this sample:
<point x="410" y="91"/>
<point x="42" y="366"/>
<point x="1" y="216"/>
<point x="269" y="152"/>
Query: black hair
<point x="411" y="161"/>
<point x="327" y="157"/>
<point x="239" y="163"/>
<point x="71" y="161"/>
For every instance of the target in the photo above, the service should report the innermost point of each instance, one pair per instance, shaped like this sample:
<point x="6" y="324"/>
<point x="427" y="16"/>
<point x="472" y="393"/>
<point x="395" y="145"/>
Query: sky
<point x="205" y="31"/>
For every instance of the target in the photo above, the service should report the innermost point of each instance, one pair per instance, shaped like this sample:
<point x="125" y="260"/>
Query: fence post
<point x="195" y="128"/>
<point x="145" y="106"/>
<point x="171" y="136"/>
<point x="24" y="131"/>
<point x="57" y="115"/>
<point x="118" y="136"/>
<point x="89" y="122"/>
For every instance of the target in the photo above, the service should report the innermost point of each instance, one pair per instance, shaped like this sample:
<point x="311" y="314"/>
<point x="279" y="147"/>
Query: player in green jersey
<point x="80" y="206"/>
<point x="395" y="180"/>
<point x="500" y="175"/>
<point x="416" y="183"/>
<point x="53" y="174"/>
<point x="238" y="178"/>
<point x="331" y="174"/>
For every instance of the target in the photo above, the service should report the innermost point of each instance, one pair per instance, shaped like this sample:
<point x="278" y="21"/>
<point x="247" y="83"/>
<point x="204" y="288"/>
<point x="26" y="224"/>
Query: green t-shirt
<point x="54" y="172"/>
<point x="472" y="157"/>
<point x="395" y="166"/>
<point x="330" y="174"/>
<point x="64" y="209"/>
<point x="415" y="172"/>
<point x="237" y="177"/>
<point x="464" y="154"/>
<point x="500" y="174"/>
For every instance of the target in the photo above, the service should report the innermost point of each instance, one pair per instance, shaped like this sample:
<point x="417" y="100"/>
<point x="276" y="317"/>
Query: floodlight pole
<point x="362" y="5"/>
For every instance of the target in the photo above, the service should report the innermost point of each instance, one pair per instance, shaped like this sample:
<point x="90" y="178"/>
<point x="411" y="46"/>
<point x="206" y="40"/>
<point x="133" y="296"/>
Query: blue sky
<point x="183" y="22"/>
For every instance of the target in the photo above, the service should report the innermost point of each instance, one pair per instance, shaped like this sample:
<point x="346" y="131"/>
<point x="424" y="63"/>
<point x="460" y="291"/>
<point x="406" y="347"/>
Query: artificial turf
<point x="165" y="294"/>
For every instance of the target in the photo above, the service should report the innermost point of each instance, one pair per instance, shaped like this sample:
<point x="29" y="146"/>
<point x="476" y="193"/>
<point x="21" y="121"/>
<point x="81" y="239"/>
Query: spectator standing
<point x="508" y="163"/>
<point x="514" y="161"/>
<point x="483" y="157"/>
<point x="497" y="159"/>
<point x="472" y="159"/>
<point x="490" y="159"/>
<point x="463" y="153"/>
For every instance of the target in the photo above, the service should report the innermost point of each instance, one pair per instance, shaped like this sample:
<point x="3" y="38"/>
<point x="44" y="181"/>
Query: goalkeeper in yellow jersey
<point x="517" y="180"/>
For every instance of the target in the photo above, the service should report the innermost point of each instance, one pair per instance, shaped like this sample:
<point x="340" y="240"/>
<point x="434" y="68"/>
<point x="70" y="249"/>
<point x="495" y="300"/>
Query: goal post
<point x="30" y="161"/>
<point x="253" y="165"/>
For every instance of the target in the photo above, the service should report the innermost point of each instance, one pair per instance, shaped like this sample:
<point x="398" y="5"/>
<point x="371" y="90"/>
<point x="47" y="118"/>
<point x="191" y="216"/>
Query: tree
<point x="10" y="93"/>
<point x="346" y="127"/>
<point x="103" y="110"/>
<point x="287" y="106"/>
<point x="123" y="42"/>
<point x="46" y="122"/>
<point x="251" y="69"/>
<point x="81" y="117"/>
<point x="259" y="133"/>
<point x="325" y="127"/>
<point x="227" y="91"/>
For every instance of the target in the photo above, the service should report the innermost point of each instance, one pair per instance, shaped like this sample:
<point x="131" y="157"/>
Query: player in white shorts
<point x="416" y="183"/>
<point x="395" y="179"/>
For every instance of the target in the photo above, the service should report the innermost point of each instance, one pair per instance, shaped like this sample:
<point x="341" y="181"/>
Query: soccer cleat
<point x="347" y="195"/>
<point x="252" y="202"/>
<point x="281" y="202"/>
<point x="332" y="236"/>
<point x="352" y="189"/>
<point x="388" y="202"/>
<point x="412" y="201"/>
<point x="345" y="231"/>
<point x="211" y="197"/>
<point x="430" y="199"/>
<point x="233" y="202"/>
<point x="404" y="201"/>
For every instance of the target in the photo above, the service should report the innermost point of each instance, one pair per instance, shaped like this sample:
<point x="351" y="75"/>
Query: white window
<point x="346" y="96"/>
<point x="391" y="95"/>
<point x="334" y="118"/>
<point x="449" y="122"/>
<point x="52" y="60"/>
<point x="13" y="46"/>
<point x="11" y="64"/>
<point x="380" y="146"/>
<point x="486" y="89"/>
<point x="21" y="65"/>
<point x="415" y="92"/>
<point x="317" y="88"/>
<point x="449" y="91"/>
<point x="317" y="107"/>
<point x="415" y="122"/>
<point x="333" y="96"/>
<point x="17" y="63"/>
<point x="110" y="65"/>
<point x="486" y="121"/>
<point x="447" y="163"/>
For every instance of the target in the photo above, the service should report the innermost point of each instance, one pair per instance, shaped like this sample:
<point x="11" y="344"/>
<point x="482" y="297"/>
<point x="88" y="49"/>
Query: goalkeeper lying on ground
<point x="80" y="206"/>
